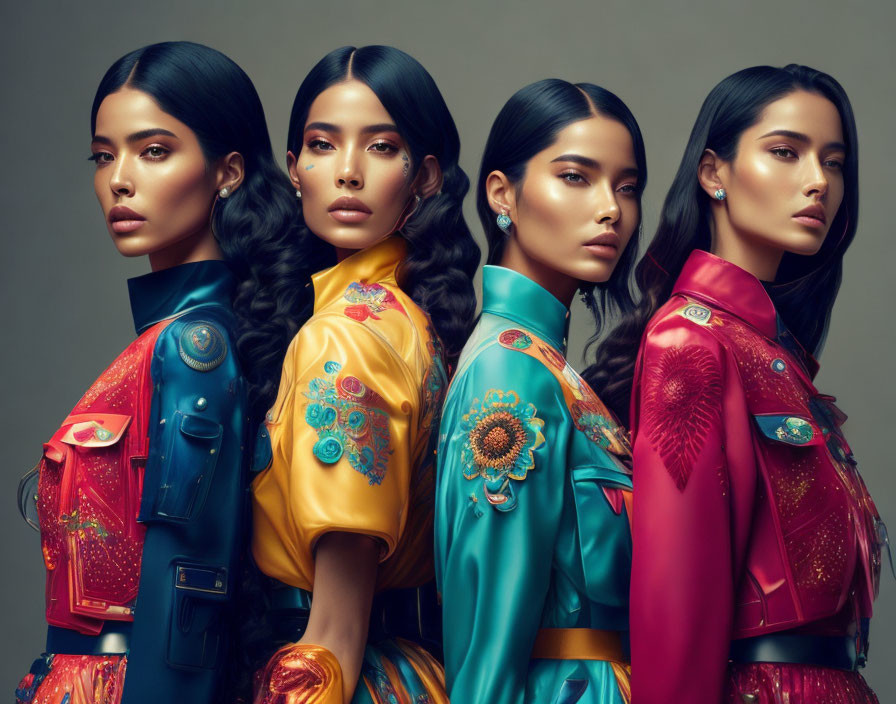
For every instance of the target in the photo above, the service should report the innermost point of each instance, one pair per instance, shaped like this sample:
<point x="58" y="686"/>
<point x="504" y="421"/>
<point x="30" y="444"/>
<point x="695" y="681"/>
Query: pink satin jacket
<point x="749" y="514"/>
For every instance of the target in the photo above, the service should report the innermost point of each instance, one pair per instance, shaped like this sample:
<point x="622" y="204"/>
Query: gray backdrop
<point x="62" y="283"/>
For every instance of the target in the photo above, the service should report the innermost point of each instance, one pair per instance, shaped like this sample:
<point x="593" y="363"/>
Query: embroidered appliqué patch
<point x="369" y="300"/>
<point x="697" y="314"/>
<point x="202" y="347"/>
<point x="502" y="434"/>
<point x="515" y="339"/>
<point x="596" y="426"/>
<point x="682" y="404"/>
<point x="350" y="419"/>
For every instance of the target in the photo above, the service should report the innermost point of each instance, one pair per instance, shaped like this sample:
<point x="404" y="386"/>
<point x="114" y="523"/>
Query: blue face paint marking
<point x="309" y="167"/>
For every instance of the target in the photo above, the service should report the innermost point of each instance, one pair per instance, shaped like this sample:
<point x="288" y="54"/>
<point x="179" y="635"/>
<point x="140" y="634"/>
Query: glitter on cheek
<point x="406" y="164"/>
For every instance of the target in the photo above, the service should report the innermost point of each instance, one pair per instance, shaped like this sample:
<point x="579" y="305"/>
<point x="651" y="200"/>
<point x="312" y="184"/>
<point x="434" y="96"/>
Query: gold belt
<point x="578" y="644"/>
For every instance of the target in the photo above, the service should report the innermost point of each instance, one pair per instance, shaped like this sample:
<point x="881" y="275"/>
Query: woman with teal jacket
<point x="533" y="548"/>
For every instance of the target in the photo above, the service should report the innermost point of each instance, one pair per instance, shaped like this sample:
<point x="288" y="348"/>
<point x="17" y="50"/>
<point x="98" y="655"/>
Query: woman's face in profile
<point x="354" y="169"/>
<point x="152" y="179"/>
<point x="785" y="184"/>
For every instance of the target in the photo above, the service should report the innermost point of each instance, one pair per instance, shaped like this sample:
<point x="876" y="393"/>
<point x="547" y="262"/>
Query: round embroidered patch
<point x="697" y="314"/>
<point x="516" y="339"/>
<point x="778" y="365"/>
<point x="795" y="431"/>
<point x="328" y="448"/>
<point x="202" y="347"/>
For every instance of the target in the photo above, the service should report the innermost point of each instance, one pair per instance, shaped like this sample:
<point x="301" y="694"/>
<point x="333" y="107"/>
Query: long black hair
<point x="437" y="272"/>
<point x="256" y="226"/>
<point x="529" y="123"/>
<point x="805" y="286"/>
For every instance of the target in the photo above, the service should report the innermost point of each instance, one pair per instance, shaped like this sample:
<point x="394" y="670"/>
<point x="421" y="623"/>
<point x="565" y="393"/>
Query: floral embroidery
<point x="553" y="356"/>
<point x="349" y="419"/>
<point x="435" y="379"/>
<point x="596" y="426"/>
<point x="681" y="406"/>
<point x="516" y="339"/>
<point x="502" y="435"/>
<point x="73" y="524"/>
<point x="368" y="300"/>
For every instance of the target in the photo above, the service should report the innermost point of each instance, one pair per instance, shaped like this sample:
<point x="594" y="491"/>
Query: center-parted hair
<point x="529" y="123"/>
<point x="805" y="287"/>
<point x="256" y="227"/>
<point x="442" y="256"/>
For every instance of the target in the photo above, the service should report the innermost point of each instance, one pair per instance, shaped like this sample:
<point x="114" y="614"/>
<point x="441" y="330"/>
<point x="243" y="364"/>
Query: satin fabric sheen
<point x="750" y="517"/>
<point x="561" y="557"/>
<point x="382" y="341"/>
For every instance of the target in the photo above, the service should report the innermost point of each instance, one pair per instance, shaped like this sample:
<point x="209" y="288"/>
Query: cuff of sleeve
<point x="301" y="672"/>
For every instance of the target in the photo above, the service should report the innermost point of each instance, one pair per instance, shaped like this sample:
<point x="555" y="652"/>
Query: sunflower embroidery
<point x="502" y="434"/>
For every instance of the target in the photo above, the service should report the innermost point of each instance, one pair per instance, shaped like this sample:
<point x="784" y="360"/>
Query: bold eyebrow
<point x="578" y="159"/>
<point x="800" y="137"/>
<point x="329" y="127"/>
<point x="382" y="127"/>
<point x="591" y="163"/>
<point x="137" y="136"/>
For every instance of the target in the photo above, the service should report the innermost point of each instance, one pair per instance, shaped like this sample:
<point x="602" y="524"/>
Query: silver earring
<point x="298" y="194"/>
<point x="720" y="194"/>
<point x="418" y="199"/>
<point x="504" y="221"/>
<point x="224" y="192"/>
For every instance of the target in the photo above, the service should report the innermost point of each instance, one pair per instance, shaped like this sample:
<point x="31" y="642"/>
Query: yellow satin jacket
<point x="353" y="429"/>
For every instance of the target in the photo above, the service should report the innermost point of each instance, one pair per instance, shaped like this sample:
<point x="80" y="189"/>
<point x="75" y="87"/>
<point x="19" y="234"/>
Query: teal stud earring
<point x="504" y="221"/>
<point x="720" y="194"/>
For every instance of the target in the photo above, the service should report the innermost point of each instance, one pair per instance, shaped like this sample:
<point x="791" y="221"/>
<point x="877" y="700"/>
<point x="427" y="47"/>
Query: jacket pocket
<point x="177" y="480"/>
<point x="196" y="625"/>
<point x="791" y="429"/>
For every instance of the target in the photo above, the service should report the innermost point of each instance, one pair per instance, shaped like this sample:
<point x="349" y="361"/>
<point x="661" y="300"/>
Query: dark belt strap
<point x="411" y="613"/>
<point x="114" y="639"/>
<point x="838" y="652"/>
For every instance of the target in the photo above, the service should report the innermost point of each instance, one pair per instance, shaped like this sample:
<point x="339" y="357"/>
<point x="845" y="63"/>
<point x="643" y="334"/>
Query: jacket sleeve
<point x="193" y="504"/>
<point x="343" y="431"/>
<point x="683" y="562"/>
<point x="501" y="482"/>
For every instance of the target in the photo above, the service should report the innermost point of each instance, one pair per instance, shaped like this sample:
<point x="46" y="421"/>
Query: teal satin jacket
<point x="531" y="521"/>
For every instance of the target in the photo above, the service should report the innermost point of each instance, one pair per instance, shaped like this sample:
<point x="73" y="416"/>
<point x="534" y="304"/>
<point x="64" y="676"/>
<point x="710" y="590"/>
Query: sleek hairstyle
<point x="805" y="286"/>
<point x="437" y="272"/>
<point x="529" y="123"/>
<point x="256" y="226"/>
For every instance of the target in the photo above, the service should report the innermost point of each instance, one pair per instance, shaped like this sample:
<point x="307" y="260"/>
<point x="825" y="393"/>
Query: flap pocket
<point x="199" y="427"/>
<point x="95" y="429"/>
<point x="796" y="430"/>
<point x="177" y="481"/>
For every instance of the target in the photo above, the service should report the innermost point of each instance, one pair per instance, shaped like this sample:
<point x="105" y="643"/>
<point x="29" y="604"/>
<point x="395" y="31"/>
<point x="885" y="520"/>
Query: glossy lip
<point x="812" y="216"/>
<point x="348" y="203"/>
<point x="349" y="210"/>
<point x="124" y="220"/>
<point x="604" y="246"/>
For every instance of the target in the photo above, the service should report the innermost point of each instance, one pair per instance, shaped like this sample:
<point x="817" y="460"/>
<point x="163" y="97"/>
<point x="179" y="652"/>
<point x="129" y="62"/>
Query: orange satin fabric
<point x="384" y="345"/>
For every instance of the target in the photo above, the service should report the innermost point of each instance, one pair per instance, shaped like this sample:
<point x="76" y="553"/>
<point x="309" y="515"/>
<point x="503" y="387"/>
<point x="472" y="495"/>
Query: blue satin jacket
<point x="140" y="497"/>
<point x="531" y="520"/>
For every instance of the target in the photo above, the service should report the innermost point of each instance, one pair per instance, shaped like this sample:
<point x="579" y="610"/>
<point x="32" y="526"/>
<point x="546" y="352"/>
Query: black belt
<point x="114" y="639"/>
<point x="838" y="652"/>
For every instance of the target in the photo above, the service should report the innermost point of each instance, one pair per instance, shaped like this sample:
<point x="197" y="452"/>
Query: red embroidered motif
<point x="682" y="403"/>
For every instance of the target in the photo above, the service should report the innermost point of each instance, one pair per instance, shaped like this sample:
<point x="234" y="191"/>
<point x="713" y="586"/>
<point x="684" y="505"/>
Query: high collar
<point x="725" y="285"/>
<point x="512" y="295"/>
<point x="163" y="294"/>
<point x="374" y="264"/>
